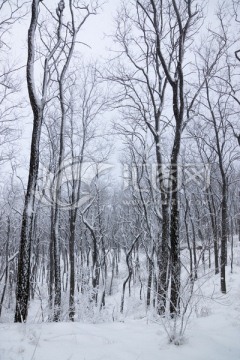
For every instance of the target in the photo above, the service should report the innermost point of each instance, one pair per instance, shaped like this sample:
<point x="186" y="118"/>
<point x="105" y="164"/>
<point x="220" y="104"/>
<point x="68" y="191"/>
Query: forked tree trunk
<point x="37" y="104"/>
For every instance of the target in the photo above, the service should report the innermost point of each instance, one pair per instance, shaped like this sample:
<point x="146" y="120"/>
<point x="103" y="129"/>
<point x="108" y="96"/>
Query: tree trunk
<point x="51" y="263"/>
<point x="214" y="229"/>
<point x="224" y="237"/>
<point x="7" y="266"/>
<point x="72" y="264"/>
<point x="57" y="271"/>
<point x="175" y="256"/>
<point x="23" y="277"/>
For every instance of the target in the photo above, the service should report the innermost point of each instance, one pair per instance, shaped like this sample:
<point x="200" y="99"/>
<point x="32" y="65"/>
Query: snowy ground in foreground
<point x="212" y="337"/>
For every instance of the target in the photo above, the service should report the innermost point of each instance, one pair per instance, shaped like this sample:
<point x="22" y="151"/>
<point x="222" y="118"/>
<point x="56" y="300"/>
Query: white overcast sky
<point x="94" y="33"/>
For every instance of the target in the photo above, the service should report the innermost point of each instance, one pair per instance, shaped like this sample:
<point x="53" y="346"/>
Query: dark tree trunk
<point x="112" y="276"/>
<point x="174" y="219"/>
<point x="23" y="277"/>
<point x="239" y="218"/>
<point x="150" y="279"/>
<point x="232" y="242"/>
<point x="129" y="265"/>
<point x="7" y="265"/>
<point x="51" y="263"/>
<point x="188" y="240"/>
<point x="57" y="271"/>
<point x="163" y="256"/>
<point x="175" y="256"/>
<point x="214" y="228"/>
<point x="164" y="260"/>
<point x="224" y="237"/>
<point x="72" y="264"/>
<point x="194" y="248"/>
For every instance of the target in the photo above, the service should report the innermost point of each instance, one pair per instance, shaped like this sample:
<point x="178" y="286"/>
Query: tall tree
<point x="37" y="104"/>
<point x="154" y="37"/>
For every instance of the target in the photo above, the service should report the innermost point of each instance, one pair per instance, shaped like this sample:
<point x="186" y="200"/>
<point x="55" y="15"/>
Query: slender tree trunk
<point x="150" y="279"/>
<point x="57" y="270"/>
<point x="129" y="253"/>
<point x="112" y="276"/>
<point x="224" y="237"/>
<point x="188" y="240"/>
<point x="214" y="229"/>
<point x="72" y="264"/>
<point x="232" y="242"/>
<point x="7" y="265"/>
<point x="174" y="220"/>
<point x="163" y="257"/>
<point x="51" y="263"/>
<point x="23" y="277"/>
<point x="194" y="249"/>
<point x="164" y="260"/>
<point x="175" y="256"/>
<point x="239" y="217"/>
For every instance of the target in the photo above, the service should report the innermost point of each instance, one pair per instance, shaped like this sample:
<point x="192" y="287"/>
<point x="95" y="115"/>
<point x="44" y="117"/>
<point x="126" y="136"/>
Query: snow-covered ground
<point x="212" y="335"/>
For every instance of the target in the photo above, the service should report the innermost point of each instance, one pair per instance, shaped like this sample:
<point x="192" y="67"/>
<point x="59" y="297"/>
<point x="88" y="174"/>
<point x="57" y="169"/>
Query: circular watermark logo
<point x="71" y="184"/>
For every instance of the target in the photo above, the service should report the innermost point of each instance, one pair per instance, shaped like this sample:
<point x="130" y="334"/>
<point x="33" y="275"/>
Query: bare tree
<point x="154" y="38"/>
<point x="37" y="103"/>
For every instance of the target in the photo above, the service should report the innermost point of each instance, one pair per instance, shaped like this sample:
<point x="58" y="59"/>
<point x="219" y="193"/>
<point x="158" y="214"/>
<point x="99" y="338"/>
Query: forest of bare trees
<point x="134" y="160"/>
